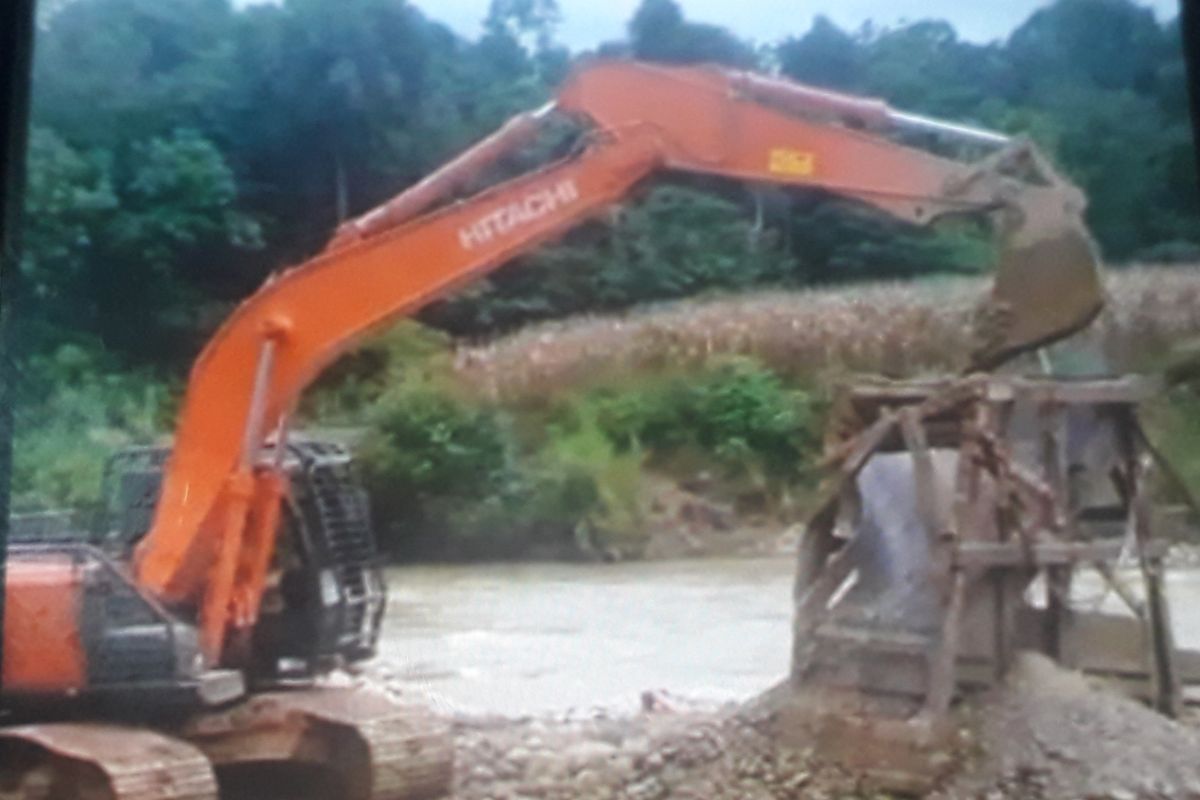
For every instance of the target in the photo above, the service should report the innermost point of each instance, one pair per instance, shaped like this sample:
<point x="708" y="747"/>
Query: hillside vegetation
<point x="558" y="440"/>
<point x="183" y="150"/>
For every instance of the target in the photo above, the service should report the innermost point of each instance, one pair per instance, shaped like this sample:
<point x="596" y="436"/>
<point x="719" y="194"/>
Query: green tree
<point x="525" y="18"/>
<point x="825" y="56"/>
<point x="925" y="67"/>
<point x="659" y="32"/>
<point x="120" y="243"/>
<point x="107" y="72"/>
<point x="675" y="242"/>
<point x="1108" y="44"/>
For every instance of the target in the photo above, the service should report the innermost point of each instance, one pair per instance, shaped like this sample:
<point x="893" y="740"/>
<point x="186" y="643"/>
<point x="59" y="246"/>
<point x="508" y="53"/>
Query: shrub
<point x="737" y="414"/>
<point x="347" y="390"/>
<point x="74" y="409"/>
<point x="448" y="478"/>
<point x="1172" y="423"/>
<point x="427" y="454"/>
<point x="452" y="478"/>
<point x="582" y="476"/>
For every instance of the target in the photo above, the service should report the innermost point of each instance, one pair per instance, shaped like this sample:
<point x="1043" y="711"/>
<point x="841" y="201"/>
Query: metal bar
<point x="252" y="438"/>
<point x="517" y="132"/>
<point x="948" y="130"/>
<point x="852" y="454"/>
<point x="1165" y="466"/>
<point x="941" y="676"/>
<point x="1052" y="554"/>
<point x="281" y="443"/>
<point x="801" y="99"/>
<point x="866" y="111"/>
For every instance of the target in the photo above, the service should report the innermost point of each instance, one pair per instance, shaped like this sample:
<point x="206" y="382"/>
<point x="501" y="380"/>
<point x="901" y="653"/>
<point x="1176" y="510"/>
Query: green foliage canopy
<point x="184" y="149"/>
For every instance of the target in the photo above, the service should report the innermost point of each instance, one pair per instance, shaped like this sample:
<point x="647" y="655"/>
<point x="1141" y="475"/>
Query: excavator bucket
<point x="1047" y="282"/>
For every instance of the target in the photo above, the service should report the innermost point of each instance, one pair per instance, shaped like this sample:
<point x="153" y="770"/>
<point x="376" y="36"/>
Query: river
<point x="528" y="638"/>
<point x="539" y="637"/>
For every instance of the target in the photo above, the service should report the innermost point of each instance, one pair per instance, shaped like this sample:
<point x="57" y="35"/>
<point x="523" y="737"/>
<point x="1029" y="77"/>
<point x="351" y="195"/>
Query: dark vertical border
<point x="1189" y="28"/>
<point x="16" y="47"/>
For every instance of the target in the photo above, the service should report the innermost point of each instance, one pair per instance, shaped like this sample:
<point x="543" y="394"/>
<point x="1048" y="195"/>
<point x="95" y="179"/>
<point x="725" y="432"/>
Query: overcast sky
<point x="589" y="22"/>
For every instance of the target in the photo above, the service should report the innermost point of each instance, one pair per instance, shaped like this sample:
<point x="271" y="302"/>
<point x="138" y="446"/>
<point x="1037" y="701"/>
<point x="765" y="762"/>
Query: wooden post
<point x="1164" y="675"/>
<point x="1058" y="577"/>
<point x="942" y="666"/>
<point x="944" y="657"/>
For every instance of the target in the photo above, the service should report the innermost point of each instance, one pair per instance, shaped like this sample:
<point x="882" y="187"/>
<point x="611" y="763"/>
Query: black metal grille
<point x="341" y="542"/>
<point x="345" y="521"/>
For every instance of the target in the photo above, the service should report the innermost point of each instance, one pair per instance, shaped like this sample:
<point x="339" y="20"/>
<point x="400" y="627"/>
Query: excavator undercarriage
<point x="303" y="744"/>
<point x="130" y="729"/>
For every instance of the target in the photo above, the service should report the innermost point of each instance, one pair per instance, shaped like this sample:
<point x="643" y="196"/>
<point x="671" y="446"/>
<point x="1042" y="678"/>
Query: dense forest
<point x="182" y="150"/>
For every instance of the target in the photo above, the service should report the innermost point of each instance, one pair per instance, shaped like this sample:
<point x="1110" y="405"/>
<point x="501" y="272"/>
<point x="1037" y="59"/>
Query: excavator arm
<point x="213" y="531"/>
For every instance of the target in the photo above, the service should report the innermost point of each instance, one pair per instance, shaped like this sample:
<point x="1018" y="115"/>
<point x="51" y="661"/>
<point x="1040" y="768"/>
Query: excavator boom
<point x="212" y="520"/>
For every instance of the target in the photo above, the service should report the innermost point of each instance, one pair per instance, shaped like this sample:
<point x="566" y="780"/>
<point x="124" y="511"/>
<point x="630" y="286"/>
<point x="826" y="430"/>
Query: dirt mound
<point x="1050" y="733"/>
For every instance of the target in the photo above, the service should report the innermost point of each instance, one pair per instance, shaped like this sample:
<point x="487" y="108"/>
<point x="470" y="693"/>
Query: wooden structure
<point x="950" y="535"/>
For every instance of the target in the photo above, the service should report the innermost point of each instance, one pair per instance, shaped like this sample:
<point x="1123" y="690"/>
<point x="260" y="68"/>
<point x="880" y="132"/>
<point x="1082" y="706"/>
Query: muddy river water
<point x="531" y="638"/>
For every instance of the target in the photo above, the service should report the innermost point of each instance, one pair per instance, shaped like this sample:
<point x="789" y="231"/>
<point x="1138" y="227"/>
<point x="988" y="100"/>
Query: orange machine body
<point x="43" y="647"/>
<point x="209" y="539"/>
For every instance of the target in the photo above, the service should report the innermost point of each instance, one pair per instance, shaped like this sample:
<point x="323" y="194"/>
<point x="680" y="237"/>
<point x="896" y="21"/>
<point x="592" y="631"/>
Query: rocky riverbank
<point x="1048" y="734"/>
<point x="664" y="752"/>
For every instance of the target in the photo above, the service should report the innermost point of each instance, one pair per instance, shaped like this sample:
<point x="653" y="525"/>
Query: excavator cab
<point x="325" y="597"/>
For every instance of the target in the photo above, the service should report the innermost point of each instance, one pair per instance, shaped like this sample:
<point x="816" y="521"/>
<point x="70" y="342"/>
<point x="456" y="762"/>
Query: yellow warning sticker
<point x="784" y="161"/>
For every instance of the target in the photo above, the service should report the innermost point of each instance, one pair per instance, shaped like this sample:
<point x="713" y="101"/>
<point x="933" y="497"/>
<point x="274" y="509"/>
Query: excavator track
<point x="310" y="744"/>
<point x="94" y="761"/>
<point x="332" y="744"/>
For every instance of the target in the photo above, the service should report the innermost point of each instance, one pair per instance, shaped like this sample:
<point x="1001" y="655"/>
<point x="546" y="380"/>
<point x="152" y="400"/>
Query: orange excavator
<point x="178" y="655"/>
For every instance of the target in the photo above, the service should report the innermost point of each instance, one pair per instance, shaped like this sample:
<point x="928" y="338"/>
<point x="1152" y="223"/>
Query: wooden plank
<point x="1158" y="618"/>
<point x="1014" y="554"/>
<point x="941" y="669"/>
<point x="925" y="479"/>
<point x="891" y="641"/>
<point x="1129" y="390"/>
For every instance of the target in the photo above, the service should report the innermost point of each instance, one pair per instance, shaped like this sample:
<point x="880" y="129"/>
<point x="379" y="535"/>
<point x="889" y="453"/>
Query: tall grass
<point x="899" y="329"/>
<point x="576" y="409"/>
